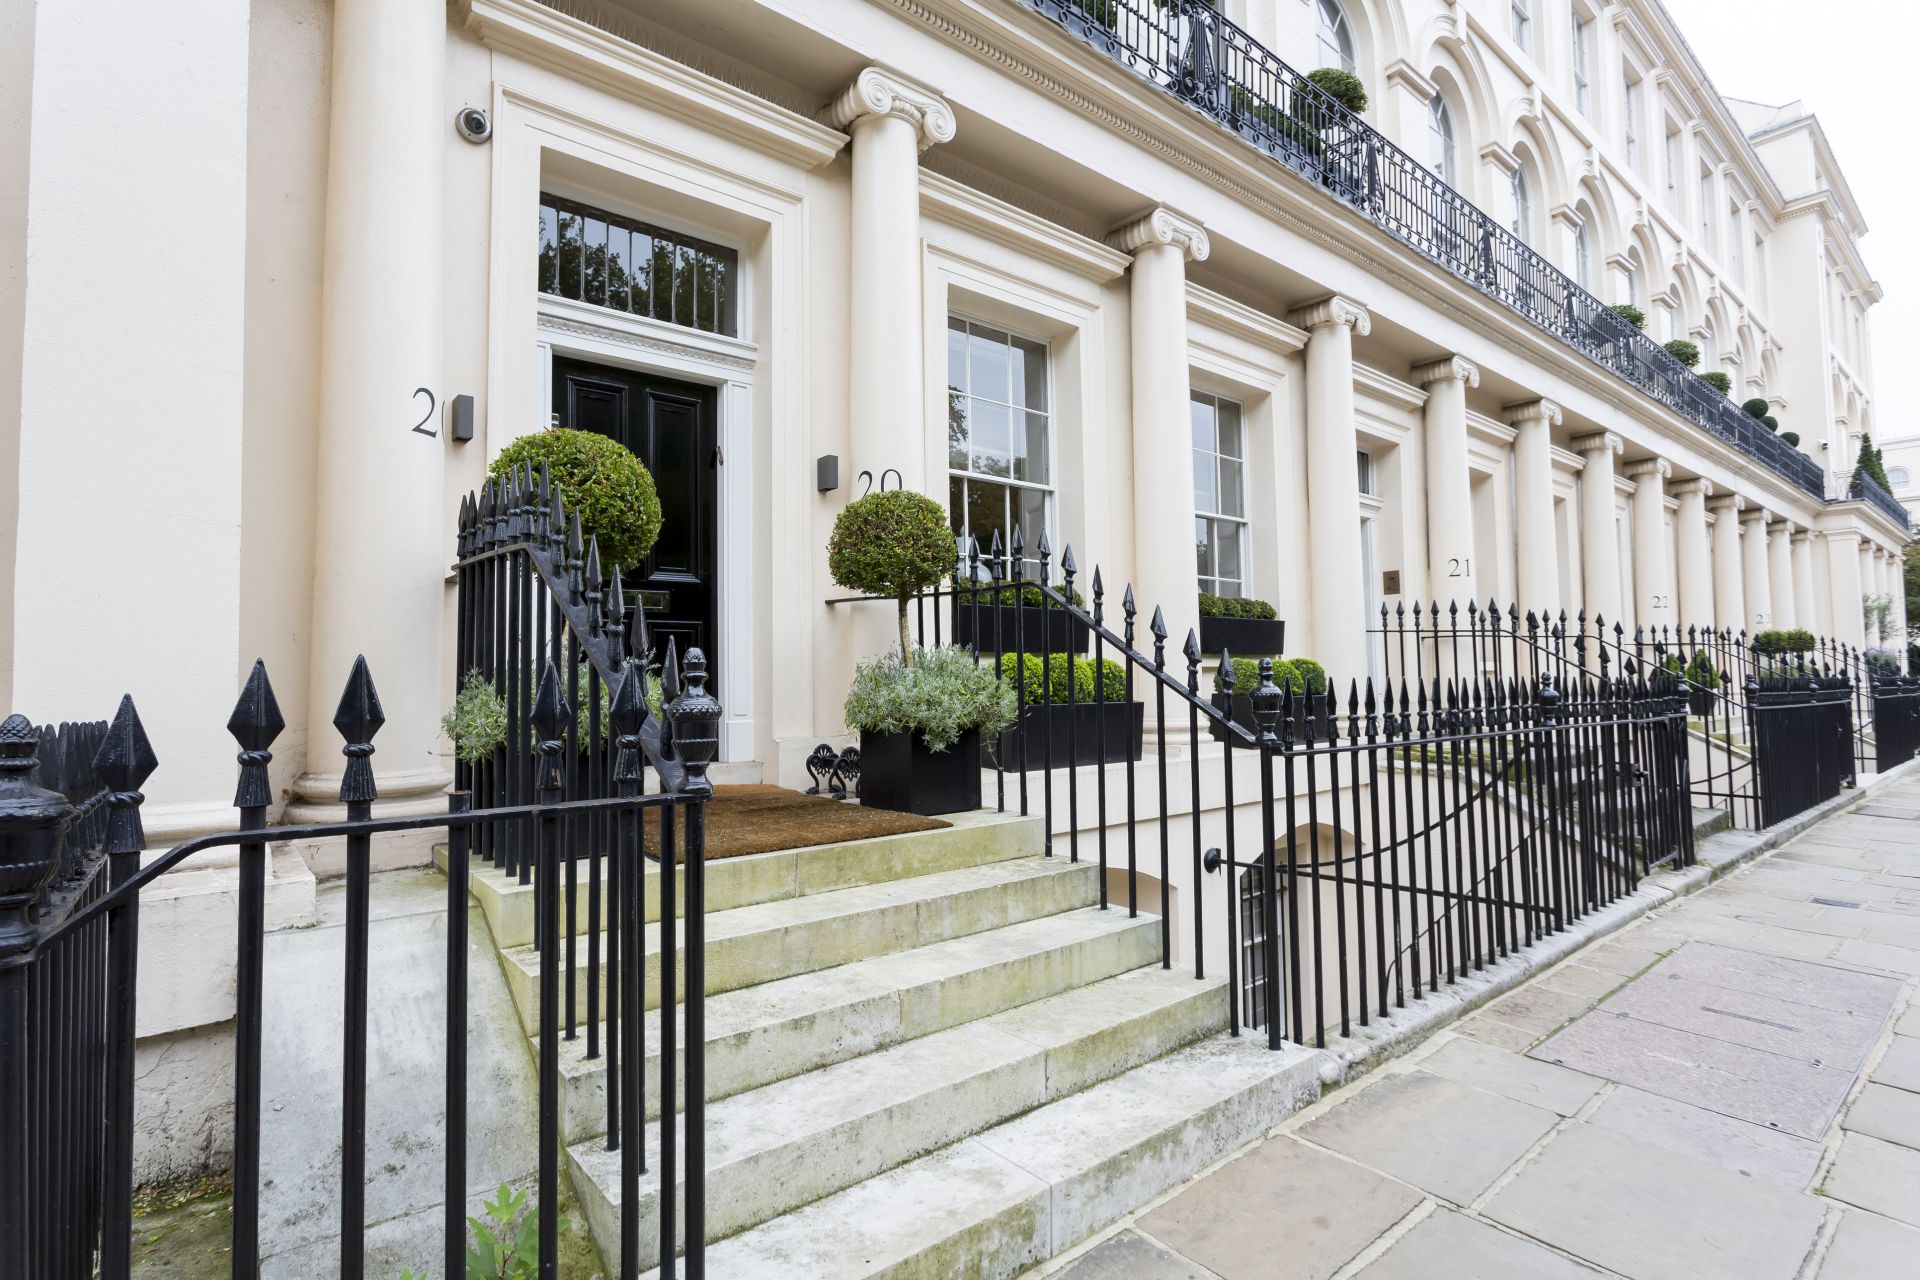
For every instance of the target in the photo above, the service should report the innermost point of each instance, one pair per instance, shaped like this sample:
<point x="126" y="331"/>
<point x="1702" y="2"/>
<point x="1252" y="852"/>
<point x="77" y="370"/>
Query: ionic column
<point x="383" y="526"/>
<point x="1450" y="546"/>
<point x="1599" y="528"/>
<point x="1333" y="484"/>
<point x="1692" y="557"/>
<point x="892" y="121"/>
<point x="1536" y="546"/>
<point x="1729" y="587"/>
<point x="1898" y="618"/>
<point x="1868" y="635"/>
<point x="1780" y="570"/>
<point x="1845" y="553"/>
<point x="1652" y="584"/>
<point x="1806" y="613"/>
<point x="1754" y="568"/>
<point x="1162" y="242"/>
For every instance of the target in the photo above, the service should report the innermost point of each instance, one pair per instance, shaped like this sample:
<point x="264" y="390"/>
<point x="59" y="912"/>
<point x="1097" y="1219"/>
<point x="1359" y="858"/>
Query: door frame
<point x="580" y="331"/>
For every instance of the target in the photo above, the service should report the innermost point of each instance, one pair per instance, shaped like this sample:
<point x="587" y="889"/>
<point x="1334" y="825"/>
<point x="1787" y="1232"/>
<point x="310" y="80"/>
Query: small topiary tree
<point x="1870" y="463"/>
<point x="1791" y="437"/>
<point x="1770" y="422"/>
<point x="1343" y="87"/>
<point x="1630" y="313"/>
<point x="1756" y="407"/>
<point x="1687" y="353"/>
<point x="894" y="544"/>
<point x="1721" y="382"/>
<point x="601" y="481"/>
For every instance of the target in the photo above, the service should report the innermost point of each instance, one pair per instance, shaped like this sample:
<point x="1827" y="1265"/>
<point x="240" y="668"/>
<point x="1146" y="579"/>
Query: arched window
<point x="1897" y="477"/>
<point x="1583" y="257"/>
<point x="1440" y="137"/>
<point x="1522" y="206"/>
<point x="1336" y="36"/>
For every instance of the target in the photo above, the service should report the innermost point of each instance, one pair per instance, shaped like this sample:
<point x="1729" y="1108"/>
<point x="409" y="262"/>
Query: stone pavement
<point x="1729" y="1089"/>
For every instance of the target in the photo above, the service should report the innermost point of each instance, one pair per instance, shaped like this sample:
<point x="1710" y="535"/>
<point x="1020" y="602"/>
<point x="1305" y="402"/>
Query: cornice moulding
<point x="1220" y="312"/>
<point x="956" y="204"/>
<point x="1387" y="387"/>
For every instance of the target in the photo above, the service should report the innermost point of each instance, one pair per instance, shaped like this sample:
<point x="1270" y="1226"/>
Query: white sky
<point x="1851" y="62"/>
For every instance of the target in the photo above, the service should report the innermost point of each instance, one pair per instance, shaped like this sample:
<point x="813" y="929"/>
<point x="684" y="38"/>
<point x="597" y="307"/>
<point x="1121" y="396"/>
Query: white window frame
<point x="1522" y="195"/>
<point x="1583" y="257"/>
<point x="1442" y="144"/>
<point x="1335" y="36"/>
<point x="1245" y="519"/>
<point x="1372" y="504"/>
<point x="1707" y="202"/>
<point x="1583" y="64"/>
<point x="1629" y="108"/>
<point x="1522" y="14"/>
<point x="1673" y="170"/>
<point x="1050" y="506"/>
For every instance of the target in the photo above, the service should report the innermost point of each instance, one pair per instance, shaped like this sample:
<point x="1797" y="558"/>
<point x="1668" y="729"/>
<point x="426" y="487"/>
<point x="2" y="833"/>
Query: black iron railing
<point x="1896" y="719"/>
<point x="1866" y="489"/>
<point x="1189" y="50"/>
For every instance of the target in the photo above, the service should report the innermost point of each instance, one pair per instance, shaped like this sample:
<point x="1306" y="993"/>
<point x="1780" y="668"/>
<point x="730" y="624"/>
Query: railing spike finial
<point x="1224" y="679"/>
<point x="556" y="530"/>
<point x="627" y="713"/>
<point x="1128" y="612"/>
<point x="596" y="623"/>
<point x="550" y="718"/>
<point x="695" y="715"/>
<point x="123" y="764"/>
<point x="1158" y="629"/>
<point x="358" y="718"/>
<point x="1068" y="568"/>
<point x="616" y="614"/>
<point x="576" y="559"/>
<point x="1099" y="597"/>
<point x="1192" y="651"/>
<point x="255" y="723"/>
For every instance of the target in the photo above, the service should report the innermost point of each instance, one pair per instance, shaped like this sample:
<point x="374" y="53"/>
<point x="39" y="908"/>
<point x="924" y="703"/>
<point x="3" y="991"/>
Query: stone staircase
<point x="927" y="1055"/>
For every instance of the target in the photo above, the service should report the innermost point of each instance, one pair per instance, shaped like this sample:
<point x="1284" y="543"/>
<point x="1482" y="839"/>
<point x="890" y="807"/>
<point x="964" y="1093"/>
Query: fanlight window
<point x="1336" y="36"/>
<point x="1440" y="138"/>
<point x="590" y="255"/>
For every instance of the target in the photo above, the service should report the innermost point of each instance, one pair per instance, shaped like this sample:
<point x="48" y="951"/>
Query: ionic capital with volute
<point x="1331" y="311"/>
<point x="1698" y="484"/>
<point x="1756" y="516"/>
<point x="1727" y="502"/>
<point x="1446" y="369"/>
<point x="1545" y="412"/>
<point x="1161" y="225"/>
<point x="1640" y="467"/>
<point x="877" y="91"/>
<point x="1599" y="442"/>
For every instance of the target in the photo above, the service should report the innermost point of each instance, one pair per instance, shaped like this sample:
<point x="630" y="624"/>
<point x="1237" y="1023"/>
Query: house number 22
<point x="425" y="418"/>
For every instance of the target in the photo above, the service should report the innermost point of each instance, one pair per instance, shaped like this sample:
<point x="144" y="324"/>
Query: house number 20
<point x="425" y="418"/>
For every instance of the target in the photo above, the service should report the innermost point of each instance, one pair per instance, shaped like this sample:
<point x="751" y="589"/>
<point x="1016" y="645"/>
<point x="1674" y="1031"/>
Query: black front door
<point x="671" y="426"/>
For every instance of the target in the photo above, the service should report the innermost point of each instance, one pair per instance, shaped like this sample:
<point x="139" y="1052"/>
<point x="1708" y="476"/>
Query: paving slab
<point x="1900" y="1065"/>
<point x="1130" y="1256"/>
<point x="1909" y="1023"/>
<point x="1820" y="1032"/>
<point x="1538" y="1007"/>
<point x="1446" y="1245"/>
<point x="1879" y="955"/>
<point x="1283" y="1211"/>
<point x="1876" y="1175"/>
<point x="1747" y="1149"/>
<point x="1501" y="1035"/>
<point x="1510" y="1075"/>
<point x="1624" y="957"/>
<point x="1892" y="1115"/>
<point x="1780" y="978"/>
<point x="1868" y="1247"/>
<point x="1650" y="1214"/>
<point x="1438" y="1134"/>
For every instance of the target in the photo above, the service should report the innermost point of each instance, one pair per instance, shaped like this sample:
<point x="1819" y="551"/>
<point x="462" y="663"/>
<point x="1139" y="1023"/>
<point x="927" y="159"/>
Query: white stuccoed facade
<point x="246" y="260"/>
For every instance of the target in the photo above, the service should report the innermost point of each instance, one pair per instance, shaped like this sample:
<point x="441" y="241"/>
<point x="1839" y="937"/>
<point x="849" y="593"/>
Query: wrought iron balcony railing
<point x="1201" y="57"/>
<point x="1866" y="489"/>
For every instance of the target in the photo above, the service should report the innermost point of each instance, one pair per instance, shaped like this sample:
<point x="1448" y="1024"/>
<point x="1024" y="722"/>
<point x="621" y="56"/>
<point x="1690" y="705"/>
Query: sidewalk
<point x="1729" y="1089"/>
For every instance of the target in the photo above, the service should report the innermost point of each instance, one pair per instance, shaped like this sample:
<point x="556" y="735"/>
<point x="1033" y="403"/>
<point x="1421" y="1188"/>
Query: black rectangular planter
<point x="1244" y="637"/>
<point x="1006" y="628"/>
<point x="1055" y="735"/>
<point x="898" y="772"/>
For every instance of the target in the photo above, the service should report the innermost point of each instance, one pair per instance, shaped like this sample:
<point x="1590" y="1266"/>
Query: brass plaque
<point x="1390" y="582"/>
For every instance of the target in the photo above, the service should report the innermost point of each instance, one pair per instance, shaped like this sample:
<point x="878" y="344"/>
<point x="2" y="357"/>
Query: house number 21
<point x="1458" y="568"/>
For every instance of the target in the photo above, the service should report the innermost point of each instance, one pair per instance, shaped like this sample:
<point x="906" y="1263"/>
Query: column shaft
<point x="1780" y="570"/>
<point x="1333" y="487"/>
<point x="1452" y="573"/>
<point x="1536" y="544"/>
<point x="1729" y="586"/>
<point x="1845" y="553"/>
<point x="1599" y="527"/>
<point x="1754" y="570"/>
<point x="886" y="370"/>
<point x="1693" y="557"/>
<point x="1805" y="613"/>
<point x="1654" y="604"/>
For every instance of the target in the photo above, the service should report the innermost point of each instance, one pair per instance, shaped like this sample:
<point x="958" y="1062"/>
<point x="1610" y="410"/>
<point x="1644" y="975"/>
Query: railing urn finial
<point x="696" y="724"/>
<point x="1268" y="704"/>
<point x="33" y="822"/>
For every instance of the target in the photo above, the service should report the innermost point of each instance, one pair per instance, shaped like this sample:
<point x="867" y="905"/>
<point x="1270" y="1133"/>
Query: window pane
<point x="988" y="372"/>
<point x="1230" y="442"/>
<point x="569" y="255"/>
<point x="1232" y="489"/>
<point x="641" y="302"/>
<point x="956" y="354"/>
<point x="1030" y="451"/>
<point x="1200" y="412"/>
<point x="987" y="512"/>
<point x="1029" y="373"/>
<point x="1226" y="551"/>
<point x="619" y="255"/>
<point x="593" y="241"/>
<point x="1206" y="493"/>
<point x="956" y="430"/>
<point x="1203" y="548"/>
<point x="1030" y="513"/>
<point x="549" y="248"/>
<point x="957" y="505"/>
<point x="992" y="438"/>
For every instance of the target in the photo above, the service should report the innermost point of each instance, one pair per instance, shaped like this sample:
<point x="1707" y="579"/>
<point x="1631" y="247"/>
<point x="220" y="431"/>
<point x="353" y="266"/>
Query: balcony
<point x="1866" y="489"/>
<point x="1186" y="49"/>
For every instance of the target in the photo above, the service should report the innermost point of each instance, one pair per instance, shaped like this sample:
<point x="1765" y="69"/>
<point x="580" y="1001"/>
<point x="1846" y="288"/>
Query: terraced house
<point x="1482" y="343"/>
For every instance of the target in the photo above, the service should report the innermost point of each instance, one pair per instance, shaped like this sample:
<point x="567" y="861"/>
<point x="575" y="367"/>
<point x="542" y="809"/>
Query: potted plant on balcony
<point x="1297" y="676"/>
<point x="1020" y="617"/>
<point x="921" y="720"/>
<point x="1230" y="624"/>
<point x="1069" y="714"/>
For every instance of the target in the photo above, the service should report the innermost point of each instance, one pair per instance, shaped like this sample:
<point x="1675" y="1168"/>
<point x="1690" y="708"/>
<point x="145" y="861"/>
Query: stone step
<point x="767" y="941"/>
<point x="972" y="839"/>
<point x="778" y="1029"/>
<point x="994" y="1205"/>
<point x="777" y="1148"/>
<point x="1707" y="822"/>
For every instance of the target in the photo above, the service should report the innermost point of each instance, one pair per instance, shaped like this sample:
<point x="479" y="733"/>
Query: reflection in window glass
<point x="999" y="435"/>
<point x="1219" y="495"/>
<point x="590" y="255"/>
<point x="1336" y="36"/>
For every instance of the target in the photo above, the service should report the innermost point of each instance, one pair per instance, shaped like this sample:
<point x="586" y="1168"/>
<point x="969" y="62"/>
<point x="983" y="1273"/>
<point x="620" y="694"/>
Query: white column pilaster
<point x="1692" y="554"/>
<point x="1536" y="545"/>
<point x="1654" y="596"/>
<point x="892" y="120"/>
<point x="1450" y="551"/>
<point x="1162" y="242"/>
<point x="1599" y="529"/>
<point x="1806" y="611"/>
<point x="383" y="530"/>
<point x="1869" y="635"/>
<point x="1780" y="574"/>
<point x="1333" y="484"/>
<point x="1755" y="574"/>
<point x="1845" y="553"/>
<point x="1729" y="579"/>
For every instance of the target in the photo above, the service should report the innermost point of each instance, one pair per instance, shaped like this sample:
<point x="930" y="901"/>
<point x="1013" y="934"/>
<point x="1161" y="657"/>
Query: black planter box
<point x="1056" y="735"/>
<point x="1703" y="702"/>
<point x="1006" y="628"/>
<point x="1246" y="637"/>
<point x="898" y="772"/>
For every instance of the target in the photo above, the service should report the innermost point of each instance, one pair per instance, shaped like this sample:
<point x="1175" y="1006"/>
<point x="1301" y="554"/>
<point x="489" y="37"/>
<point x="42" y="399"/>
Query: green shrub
<point x="1702" y="674"/>
<point x="1047" y="676"/>
<point x="1784" y="641"/>
<point x="1306" y="676"/>
<point x="477" y="722"/>
<point x="1770" y="422"/>
<point x="1104" y="12"/>
<point x="1212" y="606"/>
<point x="1343" y="87"/>
<point x="1791" y="437"/>
<point x="1871" y="463"/>
<point x="937" y="693"/>
<point x="1756" y="407"/>
<point x="1028" y="595"/>
<point x="602" y="482"/>
<point x="1721" y="382"/>
<point x="895" y="543"/>
<point x="1298" y="675"/>
<point x="1246" y="675"/>
<point x="1687" y="353"/>
<point x="1630" y="313"/>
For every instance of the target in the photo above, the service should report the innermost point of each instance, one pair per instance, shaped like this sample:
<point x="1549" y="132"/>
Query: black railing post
<point x="255" y="723"/>
<point x="454" y="1209"/>
<point x="552" y="716"/>
<point x="358" y="719"/>
<point x="1268" y="707"/>
<point x="33" y="825"/>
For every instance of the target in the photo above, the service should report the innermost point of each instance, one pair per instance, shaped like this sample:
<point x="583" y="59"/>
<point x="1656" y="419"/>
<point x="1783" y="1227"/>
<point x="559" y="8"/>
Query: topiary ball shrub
<point x="601" y="481"/>
<point x="1721" y="382"/>
<point x="1630" y="313"/>
<point x="894" y="544"/>
<point x="1756" y="407"/>
<point x="1046" y="678"/>
<point x="1687" y="353"/>
<point x="1343" y="87"/>
<point x="1770" y="422"/>
<point x="1791" y="437"/>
